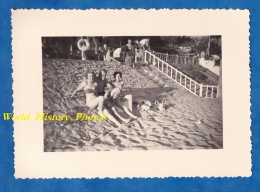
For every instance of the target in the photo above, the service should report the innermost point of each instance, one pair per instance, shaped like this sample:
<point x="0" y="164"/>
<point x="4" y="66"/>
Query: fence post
<point x="176" y="59"/>
<point x="153" y="58"/>
<point x="193" y="60"/>
<point x="145" y="56"/>
<point x="162" y="66"/>
<point x="166" y="59"/>
<point x="154" y="61"/>
<point x="201" y="86"/>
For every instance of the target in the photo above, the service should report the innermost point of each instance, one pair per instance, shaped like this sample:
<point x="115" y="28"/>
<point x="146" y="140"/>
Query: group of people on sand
<point x="107" y="96"/>
<point x="129" y="53"/>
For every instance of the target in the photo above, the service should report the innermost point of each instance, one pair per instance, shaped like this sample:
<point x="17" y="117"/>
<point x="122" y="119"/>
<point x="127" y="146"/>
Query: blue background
<point x="7" y="181"/>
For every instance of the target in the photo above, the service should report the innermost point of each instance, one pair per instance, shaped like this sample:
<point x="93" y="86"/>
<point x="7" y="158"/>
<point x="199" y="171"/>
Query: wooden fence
<point x="159" y="61"/>
<point x="177" y="59"/>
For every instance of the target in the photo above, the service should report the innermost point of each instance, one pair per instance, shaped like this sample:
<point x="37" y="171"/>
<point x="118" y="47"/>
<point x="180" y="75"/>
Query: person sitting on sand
<point x="125" y="102"/>
<point x="102" y="84"/>
<point x="104" y="89"/>
<point x="92" y="100"/>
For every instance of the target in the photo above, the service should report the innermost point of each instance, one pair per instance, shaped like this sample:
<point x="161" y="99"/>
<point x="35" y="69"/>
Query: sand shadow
<point x="151" y="94"/>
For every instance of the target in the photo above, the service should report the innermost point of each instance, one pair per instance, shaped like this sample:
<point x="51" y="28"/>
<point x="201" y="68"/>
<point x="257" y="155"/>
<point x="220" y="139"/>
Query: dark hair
<point x="100" y="72"/>
<point x="117" y="72"/>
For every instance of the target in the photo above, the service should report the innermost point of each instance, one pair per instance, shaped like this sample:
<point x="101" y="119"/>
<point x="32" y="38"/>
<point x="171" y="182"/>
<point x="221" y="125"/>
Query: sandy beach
<point x="189" y="122"/>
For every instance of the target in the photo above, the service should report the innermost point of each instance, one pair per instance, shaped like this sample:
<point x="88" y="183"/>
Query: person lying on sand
<point x="117" y="98"/>
<point x="92" y="100"/>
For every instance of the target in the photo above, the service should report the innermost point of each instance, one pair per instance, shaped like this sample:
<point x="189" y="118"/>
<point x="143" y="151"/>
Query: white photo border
<point x="30" y="159"/>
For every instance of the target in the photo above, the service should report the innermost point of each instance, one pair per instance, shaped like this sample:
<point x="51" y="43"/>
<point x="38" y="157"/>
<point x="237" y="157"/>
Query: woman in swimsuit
<point x="117" y="98"/>
<point x="92" y="100"/>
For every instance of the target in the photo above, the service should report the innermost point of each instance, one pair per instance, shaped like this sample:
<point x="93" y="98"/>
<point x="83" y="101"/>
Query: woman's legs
<point x="110" y="117"/>
<point x="115" y="94"/>
<point x="130" y="101"/>
<point x="129" y="113"/>
<point x="119" y="116"/>
<point x="97" y="102"/>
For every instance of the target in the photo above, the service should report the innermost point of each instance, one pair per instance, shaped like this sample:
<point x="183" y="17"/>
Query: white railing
<point x="176" y="59"/>
<point x="209" y="91"/>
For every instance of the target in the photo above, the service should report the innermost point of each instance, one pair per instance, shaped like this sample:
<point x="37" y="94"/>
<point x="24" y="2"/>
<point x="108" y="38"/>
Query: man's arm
<point x="108" y="89"/>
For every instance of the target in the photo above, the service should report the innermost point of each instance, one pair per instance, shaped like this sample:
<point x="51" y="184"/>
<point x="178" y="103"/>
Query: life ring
<point x="83" y="44"/>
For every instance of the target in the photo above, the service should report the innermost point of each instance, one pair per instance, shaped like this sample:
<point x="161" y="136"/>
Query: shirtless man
<point x="102" y="84"/>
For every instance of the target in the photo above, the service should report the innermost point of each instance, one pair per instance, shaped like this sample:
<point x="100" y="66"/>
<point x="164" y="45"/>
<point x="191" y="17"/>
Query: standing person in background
<point x="102" y="52"/>
<point x="137" y="50"/>
<point x="147" y="45"/>
<point x="129" y="44"/>
<point x="123" y="52"/>
<point x="129" y="54"/>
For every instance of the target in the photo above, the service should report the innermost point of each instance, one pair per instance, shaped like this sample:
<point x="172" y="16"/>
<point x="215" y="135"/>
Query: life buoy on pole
<point x="83" y="45"/>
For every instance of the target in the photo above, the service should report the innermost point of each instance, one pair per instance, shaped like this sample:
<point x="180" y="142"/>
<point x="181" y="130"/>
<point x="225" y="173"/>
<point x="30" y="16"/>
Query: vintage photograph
<point x="114" y="93"/>
<point x="161" y="97"/>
